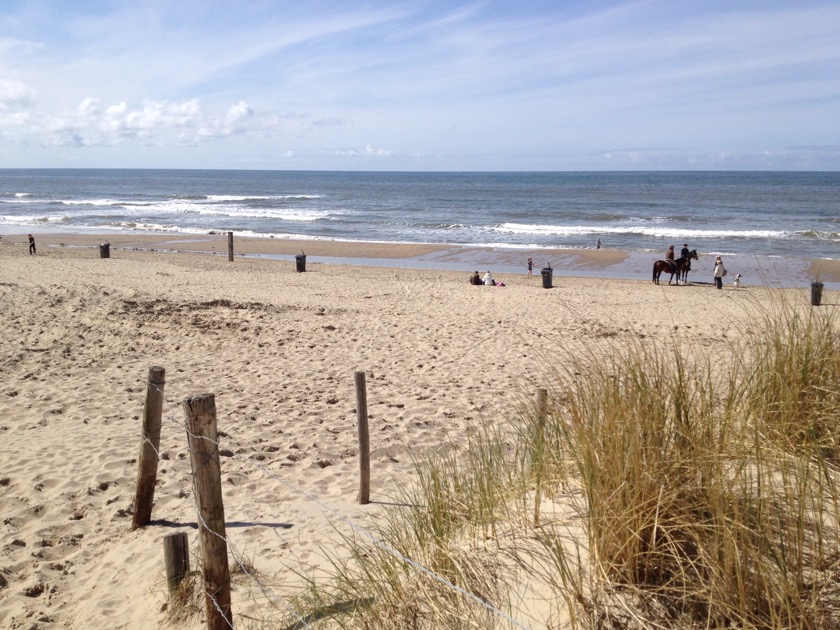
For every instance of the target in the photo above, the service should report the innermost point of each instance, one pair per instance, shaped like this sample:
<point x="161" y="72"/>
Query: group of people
<point x="718" y="273"/>
<point x="684" y="252"/>
<point x="487" y="280"/>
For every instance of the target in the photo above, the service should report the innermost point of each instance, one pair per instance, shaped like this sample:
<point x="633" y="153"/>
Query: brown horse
<point x="683" y="274"/>
<point x="678" y="267"/>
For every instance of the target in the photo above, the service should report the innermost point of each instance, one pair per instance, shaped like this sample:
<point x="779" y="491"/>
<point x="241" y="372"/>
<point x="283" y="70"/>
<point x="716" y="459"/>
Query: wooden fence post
<point x="200" y="412"/>
<point x="539" y="447"/>
<point x="364" y="439"/>
<point x="144" y="493"/>
<point x="230" y="246"/>
<point x="176" y="555"/>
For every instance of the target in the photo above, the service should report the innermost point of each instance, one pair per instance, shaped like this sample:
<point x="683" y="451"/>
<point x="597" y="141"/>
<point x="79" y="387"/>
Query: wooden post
<point x="539" y="447"/>
<point x="230" y="246"/>
<point x="144" y="493"/>
<point x="200" y="414"/>
<point x="364" y="439"/>
<point x="176" y="555"/>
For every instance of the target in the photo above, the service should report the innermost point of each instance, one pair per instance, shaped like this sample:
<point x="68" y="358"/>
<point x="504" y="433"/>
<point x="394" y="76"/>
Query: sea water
<point x="775" y="214"/>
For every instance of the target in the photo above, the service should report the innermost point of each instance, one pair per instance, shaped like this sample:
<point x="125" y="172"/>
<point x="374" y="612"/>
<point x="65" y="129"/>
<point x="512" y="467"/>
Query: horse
<point x="679" y="267"/>
<point x="683" y="273"/>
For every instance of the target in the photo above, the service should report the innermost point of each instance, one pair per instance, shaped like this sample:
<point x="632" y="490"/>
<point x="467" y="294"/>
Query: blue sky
<point x="420" y="85"/>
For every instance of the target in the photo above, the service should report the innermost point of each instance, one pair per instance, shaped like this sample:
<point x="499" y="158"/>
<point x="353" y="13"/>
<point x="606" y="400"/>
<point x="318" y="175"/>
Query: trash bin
<point x="105" y="250"/>
<point x="546" y="276"/>
<point x="300" y="262"/>
<point x="816" y="293"/>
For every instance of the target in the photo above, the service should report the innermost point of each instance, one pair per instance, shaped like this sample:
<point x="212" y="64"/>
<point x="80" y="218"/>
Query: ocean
<point x="792" y="215"/>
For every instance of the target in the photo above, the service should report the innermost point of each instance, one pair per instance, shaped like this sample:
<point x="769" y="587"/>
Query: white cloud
<point x="89" y="107"/>
<point x="14" y="94"/>
<point x="239" y="112"/>
<point x="160" y="123"/>
<point x="368" y="151"/>
<point x="113" y="110"/>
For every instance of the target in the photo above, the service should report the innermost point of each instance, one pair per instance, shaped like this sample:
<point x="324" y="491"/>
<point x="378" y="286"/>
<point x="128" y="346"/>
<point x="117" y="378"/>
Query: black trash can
<point x="546" y="276"/>
<point x="105" y="250"/>
<point x="300" y="262"/>
<point x="816" y="293"/>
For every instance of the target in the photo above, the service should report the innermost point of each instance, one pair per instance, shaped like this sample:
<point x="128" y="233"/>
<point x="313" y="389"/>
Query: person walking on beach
<point x="31" y="245"/>
<point x="530" y="267"/>
<point x="719" y="273"/>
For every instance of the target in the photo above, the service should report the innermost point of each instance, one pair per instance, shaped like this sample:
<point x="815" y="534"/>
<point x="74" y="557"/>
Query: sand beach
<point x="279" y="350"/>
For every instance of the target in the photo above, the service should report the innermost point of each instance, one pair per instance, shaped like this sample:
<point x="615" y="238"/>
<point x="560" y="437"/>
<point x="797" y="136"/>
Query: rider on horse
<point x="684" y="254"/>
<point x="669" y="258"/>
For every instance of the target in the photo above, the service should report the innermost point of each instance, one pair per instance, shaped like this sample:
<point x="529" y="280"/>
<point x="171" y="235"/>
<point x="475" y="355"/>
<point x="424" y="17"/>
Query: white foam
<point x="577" y="230"/>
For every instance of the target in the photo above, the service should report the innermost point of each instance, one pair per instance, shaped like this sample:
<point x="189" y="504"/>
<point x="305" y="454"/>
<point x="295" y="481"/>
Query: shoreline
<point x="771" y="271"/>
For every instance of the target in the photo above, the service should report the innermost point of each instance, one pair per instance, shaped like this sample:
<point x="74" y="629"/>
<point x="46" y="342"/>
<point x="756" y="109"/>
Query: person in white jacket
<point x="719" y="273"/>
<point x="488" y="280"/>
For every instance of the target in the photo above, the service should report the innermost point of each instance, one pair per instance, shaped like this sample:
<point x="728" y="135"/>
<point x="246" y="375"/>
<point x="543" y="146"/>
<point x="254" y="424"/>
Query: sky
<point x="420" y="85"/>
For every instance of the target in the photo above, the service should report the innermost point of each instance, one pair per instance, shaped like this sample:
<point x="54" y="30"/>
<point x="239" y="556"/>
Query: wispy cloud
<point x="478" y="85"/>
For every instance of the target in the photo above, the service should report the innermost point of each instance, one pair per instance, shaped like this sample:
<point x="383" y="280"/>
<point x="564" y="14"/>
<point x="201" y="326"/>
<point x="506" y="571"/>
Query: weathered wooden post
<point x="176" y="555"/>
<point x="200" y="414"/>
<point x="230" y="246"/>
<point x="539" y="447"/>
<point x="364" y="439"/>
<point x="144" y="493"/>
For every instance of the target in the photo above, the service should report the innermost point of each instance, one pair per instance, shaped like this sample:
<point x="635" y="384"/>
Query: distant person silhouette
<point x="31" y="245"/>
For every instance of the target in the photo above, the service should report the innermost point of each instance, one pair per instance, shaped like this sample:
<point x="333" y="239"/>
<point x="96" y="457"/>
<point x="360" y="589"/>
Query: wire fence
<point x="245" y="567"/>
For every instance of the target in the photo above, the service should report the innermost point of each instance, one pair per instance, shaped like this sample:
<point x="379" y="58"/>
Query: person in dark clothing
<point x="669" y="258"/>
<point x="31" y="245"/>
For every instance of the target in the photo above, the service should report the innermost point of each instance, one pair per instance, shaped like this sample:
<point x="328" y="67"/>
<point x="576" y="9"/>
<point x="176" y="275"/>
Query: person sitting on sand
<point x="488" y="280"/>
<point x="475" y="279"/>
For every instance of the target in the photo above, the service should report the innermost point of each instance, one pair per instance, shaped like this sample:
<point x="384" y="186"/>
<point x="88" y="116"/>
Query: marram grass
<point x="656" y="488"/>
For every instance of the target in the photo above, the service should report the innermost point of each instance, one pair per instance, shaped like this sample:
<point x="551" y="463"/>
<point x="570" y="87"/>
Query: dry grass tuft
<point x="655" y="487"/>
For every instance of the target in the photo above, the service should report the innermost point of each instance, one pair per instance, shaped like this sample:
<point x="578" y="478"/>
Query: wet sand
<point x="596" y="263"/>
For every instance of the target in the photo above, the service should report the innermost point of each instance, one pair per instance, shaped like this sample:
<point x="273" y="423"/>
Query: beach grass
<point x="655" y="487"/>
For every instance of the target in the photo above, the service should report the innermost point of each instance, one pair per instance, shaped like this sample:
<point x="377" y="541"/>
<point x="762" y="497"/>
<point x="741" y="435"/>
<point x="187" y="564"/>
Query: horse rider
<point x="669" y="257"/>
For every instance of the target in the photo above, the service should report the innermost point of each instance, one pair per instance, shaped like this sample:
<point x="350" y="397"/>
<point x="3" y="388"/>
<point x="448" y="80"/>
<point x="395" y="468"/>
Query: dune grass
<point x="654" y="486"/>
